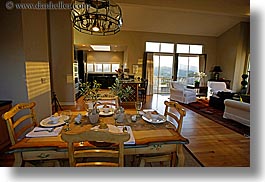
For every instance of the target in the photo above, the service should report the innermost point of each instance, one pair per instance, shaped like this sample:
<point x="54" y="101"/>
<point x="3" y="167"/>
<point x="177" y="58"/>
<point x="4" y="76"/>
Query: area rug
<point x="202" y="107"/>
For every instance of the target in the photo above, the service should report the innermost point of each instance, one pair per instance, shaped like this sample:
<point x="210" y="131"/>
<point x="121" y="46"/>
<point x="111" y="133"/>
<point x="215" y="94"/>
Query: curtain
<point x="242" y="55"/>
<point x="202" y="63"/>
<point x="150" y="73"/>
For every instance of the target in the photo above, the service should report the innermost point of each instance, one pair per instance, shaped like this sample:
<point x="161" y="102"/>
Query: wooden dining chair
<point x="20" y="120"/>
<point x="142" y="90"/>
<point x="112" y="101"/>
<point x="94" y="156"/>
<point x="174" y="113"/>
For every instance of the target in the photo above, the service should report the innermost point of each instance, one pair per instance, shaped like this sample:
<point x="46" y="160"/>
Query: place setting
<point x="51" y="126"/>
<point x="152" y="116"/>
<point x="106" y="111"/>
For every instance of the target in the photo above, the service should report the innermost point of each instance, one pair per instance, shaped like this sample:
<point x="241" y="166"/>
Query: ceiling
<point x="187" y="17"/>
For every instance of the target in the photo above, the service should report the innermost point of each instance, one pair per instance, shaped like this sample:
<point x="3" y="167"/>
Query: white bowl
<point x="54" y="119"/>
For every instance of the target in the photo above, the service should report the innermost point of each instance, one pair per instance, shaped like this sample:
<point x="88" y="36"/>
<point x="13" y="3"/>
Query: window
<point x="167" y="48"/>
<point x="98" y="67"/>
<point x="89" y="67"/>
<point x="183" y="48"/>
<point x="189" y="58"/>
<point x="152" y="46"/>
<point x="162" y="73"/>
<point x="189" y="49"/>
<point x="187" y="68"/>
<point x="114" y="67"/>
<point x="196" y="49"/>
<point x="159" y="47"/>
<point x="106" y="67"/>
<point x="188" y="62"/>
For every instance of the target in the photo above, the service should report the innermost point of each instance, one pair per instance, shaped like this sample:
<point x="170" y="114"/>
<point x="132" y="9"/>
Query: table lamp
<point x="217" y="70"/>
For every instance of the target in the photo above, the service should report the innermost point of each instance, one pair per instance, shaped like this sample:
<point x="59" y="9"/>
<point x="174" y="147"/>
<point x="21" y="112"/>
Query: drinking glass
<point x="115" y="116"/>
<point x="138" y="107"/>
<point x="68" y="119"/>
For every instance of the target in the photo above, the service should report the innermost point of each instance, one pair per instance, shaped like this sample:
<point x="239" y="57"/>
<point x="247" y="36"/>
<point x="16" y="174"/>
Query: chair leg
<point x="142" y="163"/>
<point x="18" y="159"/>
<point x="181" y="157"/>
<point x="174" y="160"/>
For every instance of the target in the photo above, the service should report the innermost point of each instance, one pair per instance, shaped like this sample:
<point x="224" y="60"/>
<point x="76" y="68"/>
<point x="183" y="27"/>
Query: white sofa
<point x="215" y="87"/>
<point x="180" y="93"/>
<point x="237" y="111"/>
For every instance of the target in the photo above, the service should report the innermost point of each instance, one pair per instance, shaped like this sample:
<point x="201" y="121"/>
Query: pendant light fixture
<point x="96" y="17"/>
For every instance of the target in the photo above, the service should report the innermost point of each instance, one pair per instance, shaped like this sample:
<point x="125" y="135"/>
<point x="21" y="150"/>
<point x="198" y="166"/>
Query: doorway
<point x="163" y="72"/>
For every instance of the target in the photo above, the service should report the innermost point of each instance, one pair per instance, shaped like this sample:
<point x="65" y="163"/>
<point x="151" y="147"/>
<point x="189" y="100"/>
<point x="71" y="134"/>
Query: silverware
<point x="49" y="130"/>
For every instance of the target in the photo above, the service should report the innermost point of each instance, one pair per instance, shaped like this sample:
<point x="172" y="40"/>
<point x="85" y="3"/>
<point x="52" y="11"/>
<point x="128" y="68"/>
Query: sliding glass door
<point x="162" y="72"/>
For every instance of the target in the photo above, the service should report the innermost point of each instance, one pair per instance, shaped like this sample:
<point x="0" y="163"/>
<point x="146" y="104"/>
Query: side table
<point x="200" y="90"/>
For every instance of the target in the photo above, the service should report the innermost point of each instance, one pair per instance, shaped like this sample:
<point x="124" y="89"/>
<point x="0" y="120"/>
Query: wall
<point x="23" y="38"/>
<point x="61" y="47"/>
<point x="12" y="69"/>
<point x="105" y="57"/>
<point x="232" y="47"/>
<point x="135" y="41"/>
<point x="35" y="43"/>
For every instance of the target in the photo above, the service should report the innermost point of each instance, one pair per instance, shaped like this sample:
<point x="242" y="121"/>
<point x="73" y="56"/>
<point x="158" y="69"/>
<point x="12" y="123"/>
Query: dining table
<point x="148" y="138"/>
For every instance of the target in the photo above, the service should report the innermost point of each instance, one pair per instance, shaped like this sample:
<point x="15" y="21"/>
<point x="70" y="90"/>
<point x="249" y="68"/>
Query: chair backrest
<point x="216" y="85"/>
<point x="176" y="112"/>
<point x="177" y="85"/>
<point x="20" y="119"/>
<point x="144" y="84"/>
<point x="113" y="152"/>
<point x="112" y="101"/>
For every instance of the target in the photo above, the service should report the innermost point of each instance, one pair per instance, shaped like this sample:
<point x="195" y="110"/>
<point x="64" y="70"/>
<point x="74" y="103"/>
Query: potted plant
<point x="199" y="79"/>
<point x="91" y="96"/>
<point x="117" y="89"/>
<point x="196" y="83"/>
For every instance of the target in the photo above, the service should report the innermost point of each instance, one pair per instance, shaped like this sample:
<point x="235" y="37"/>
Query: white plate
<point x="101" y="113"/>
<point x="154" y="121"/>
<point x="47" y="122"/>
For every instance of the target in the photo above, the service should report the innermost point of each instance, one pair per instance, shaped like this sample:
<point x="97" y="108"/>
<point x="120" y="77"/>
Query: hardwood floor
<point x="211" y="143"/>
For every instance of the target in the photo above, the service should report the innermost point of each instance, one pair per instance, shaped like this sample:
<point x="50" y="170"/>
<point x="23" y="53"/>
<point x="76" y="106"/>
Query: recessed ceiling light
<point x="100" y="47"/>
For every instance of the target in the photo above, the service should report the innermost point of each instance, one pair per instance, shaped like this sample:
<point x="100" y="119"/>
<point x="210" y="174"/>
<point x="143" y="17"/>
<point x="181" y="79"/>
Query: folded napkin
<point x="118" y="129"/>
<point x="44" y="132"/>
<point x="131" y="141"/>
<point x="78" y="119"/>
<point x="148" y="114"/>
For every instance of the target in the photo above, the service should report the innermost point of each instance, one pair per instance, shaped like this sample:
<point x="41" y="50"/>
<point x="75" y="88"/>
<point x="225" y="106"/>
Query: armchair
<point x="217" y="93"/>
<point x="180" y="93"/>
<point x="215" y="87"/>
